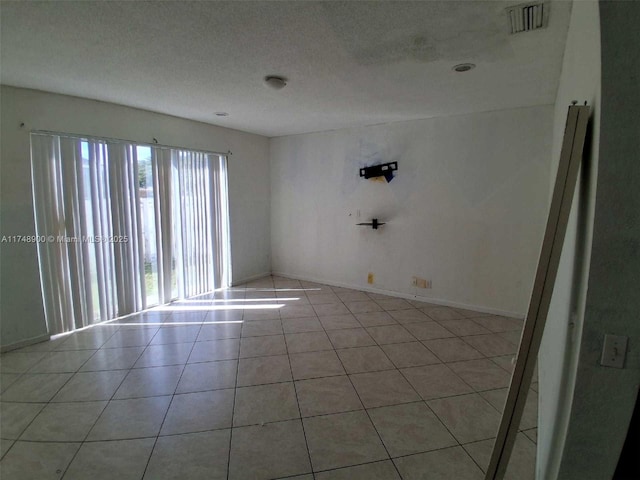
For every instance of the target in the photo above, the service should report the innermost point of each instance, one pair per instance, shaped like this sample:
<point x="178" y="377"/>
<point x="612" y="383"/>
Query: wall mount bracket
<point x="383" y="170"/>
<point x="373" y="224"/>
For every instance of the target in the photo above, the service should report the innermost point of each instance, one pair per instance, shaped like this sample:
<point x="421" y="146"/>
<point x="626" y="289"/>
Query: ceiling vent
<point x="527" y="17"/>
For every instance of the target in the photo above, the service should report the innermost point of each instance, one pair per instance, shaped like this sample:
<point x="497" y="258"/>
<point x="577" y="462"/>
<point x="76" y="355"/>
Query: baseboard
<point x="235" y="282"/>
<point x="25" y="343"/>
<point x="408" y="296"/>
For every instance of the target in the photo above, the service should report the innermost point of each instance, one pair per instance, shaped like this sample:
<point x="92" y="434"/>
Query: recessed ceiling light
<point x="464" y="67"/>
<point x="222" y="114"/>
<point x="275" y="82"/>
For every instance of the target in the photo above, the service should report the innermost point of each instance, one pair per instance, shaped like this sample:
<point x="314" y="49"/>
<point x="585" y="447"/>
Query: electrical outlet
<point x="420" y="282"/>
<point x="370" y="278"/>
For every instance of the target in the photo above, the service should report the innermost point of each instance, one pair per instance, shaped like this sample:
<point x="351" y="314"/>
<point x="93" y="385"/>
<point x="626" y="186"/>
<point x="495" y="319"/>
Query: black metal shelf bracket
<point x="373" y="224"/>
<point x="384" y="170"/>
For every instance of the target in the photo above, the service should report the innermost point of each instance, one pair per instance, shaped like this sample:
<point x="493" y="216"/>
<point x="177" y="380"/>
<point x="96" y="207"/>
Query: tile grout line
<point x="295" y="390"/>
<point x="474" y="390"/>
<point x="408" y="382"/>
<point x="235" y="392"/>
<point x="459" y="444"/>
<point x="64" y="473"/>
<point x="144" y="472"/>
<point x="47" y="403"/>
<point x="424" y="402"/>
<point x="362" y="403"/>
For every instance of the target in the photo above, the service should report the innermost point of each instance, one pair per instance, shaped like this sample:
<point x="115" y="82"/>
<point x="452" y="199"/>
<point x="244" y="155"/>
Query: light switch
<point x="614" y="351"/>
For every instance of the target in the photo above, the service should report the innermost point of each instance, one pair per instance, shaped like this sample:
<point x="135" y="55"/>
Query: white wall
<point x="466" y="209"/>
<point x="20" y="298"/>
<point x="580" y="80"/>
<point x="599" y="401"/>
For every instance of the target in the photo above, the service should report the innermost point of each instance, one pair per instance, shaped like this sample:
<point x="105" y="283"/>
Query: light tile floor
<point x="275" y="379"/>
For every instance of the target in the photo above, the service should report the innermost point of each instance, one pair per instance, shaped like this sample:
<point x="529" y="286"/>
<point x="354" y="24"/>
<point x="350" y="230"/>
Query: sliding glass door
<point x="148" y="224"/>
<point x="122" y="227"/>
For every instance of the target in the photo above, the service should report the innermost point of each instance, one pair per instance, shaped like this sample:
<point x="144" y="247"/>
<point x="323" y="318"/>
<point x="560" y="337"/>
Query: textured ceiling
<point x="347" y="63"/>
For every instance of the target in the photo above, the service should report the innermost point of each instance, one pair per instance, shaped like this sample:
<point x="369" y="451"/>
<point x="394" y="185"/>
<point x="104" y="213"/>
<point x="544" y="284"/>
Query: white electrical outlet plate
<point x="614" y="351"/>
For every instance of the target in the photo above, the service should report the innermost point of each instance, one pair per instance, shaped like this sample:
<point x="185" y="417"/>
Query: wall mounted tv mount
<point x="384" y="170"/>
<point x="373" y="224"/>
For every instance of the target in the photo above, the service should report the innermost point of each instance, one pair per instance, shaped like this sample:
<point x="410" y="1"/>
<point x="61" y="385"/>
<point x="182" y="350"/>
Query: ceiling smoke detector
<point x="275" y="82"/>
<point x="527" y="17"/>
<point x="464" y="67"/>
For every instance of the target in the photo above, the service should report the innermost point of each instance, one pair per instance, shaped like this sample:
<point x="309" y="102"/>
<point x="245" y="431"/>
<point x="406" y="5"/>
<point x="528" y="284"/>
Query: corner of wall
<point x="592" y="446"/>
<point x="594" y="292"/>
<point x="579" y="81"/>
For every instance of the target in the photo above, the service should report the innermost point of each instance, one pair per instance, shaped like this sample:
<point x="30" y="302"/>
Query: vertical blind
<point x="123" y="226"/>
